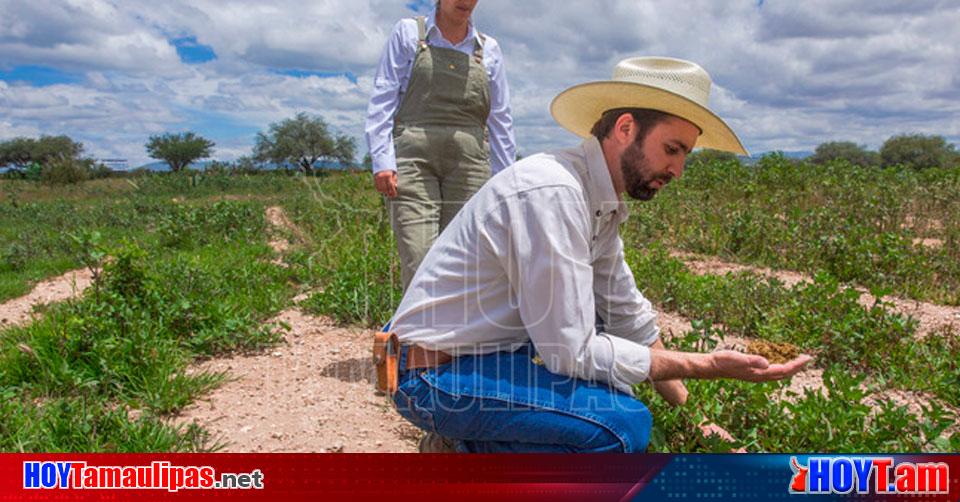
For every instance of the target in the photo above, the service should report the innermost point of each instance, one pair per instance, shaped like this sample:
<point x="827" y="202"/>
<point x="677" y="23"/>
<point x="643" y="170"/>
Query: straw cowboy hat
<point x="669" y="85"/>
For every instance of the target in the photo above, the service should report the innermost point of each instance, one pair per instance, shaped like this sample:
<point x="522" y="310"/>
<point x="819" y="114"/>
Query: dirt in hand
<point x="776" y="353"/>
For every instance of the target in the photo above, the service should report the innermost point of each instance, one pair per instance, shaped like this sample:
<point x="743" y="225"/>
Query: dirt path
<point x="277" y="218"/>
<point x="312" y="393"/>
<point x="19" y="310"/>
<point x="931" y="318"/>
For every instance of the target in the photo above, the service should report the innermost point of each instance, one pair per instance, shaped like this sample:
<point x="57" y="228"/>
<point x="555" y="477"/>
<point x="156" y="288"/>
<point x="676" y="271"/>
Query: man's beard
<point x="638" y="174"/>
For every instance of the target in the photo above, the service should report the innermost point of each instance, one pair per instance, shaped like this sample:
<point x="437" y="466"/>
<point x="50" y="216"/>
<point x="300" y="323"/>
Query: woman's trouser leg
<point x="415" y="211"/>
<point x="465" y="169"/>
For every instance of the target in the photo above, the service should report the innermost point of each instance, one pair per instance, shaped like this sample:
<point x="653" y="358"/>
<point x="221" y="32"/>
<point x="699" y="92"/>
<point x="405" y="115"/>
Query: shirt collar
<point x="431" y="25"/>
<point x="603" y="197"/>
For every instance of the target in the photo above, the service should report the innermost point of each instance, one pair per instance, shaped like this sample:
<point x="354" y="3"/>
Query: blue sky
<point x="38" y="76"/>
<point x="193" y="52"/>
<point x="788" y="75"/>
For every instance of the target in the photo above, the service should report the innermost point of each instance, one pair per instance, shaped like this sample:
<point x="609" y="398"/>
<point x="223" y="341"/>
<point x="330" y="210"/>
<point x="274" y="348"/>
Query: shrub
<point x="845" y="150"/>
<point x="708" y="156"/>
<point x="62" y="171"/>
<point x="917" y="151"/>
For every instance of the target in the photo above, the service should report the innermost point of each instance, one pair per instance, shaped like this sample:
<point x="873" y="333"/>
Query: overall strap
<point x="422" y="32"/>
<point x="478" y="47"/>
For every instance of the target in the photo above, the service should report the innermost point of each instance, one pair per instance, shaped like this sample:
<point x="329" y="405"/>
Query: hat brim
<point x="579" y="107"/>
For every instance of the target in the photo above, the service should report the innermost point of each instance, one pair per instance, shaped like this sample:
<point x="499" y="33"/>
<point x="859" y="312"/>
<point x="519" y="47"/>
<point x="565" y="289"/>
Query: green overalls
<point x="441" y="144"/>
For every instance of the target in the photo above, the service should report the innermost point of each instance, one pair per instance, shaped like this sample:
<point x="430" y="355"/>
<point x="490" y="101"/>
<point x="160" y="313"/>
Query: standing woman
<point x="438" y="123"/>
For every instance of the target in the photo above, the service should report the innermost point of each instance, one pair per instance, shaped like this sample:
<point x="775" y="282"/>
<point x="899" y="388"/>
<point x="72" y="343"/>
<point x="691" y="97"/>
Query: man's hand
<point x="672" y="365"/>
<point x="751" y="368"/>
<point x="386" y="183"/>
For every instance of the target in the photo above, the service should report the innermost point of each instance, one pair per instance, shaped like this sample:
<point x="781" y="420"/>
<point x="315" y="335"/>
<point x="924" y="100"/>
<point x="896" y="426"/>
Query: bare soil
<point x="20" y="310"/>
<point x="312" y="393"/>
<point x="922" y="224"/>
<point x="277" y="218"/>
<point x="929" y="243"/>
<point x="704" y="265"/>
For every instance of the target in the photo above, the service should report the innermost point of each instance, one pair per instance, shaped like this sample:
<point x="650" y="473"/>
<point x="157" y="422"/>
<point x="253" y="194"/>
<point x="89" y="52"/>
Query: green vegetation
<point x="914" y="151"/>
<point x="822" y="318"/>
<point x="22" y="152"/>
<point x="707" y="157"/>
<point x="182" y="278"/>
<point x="353" y="258"/>
<point x="859" y="224"/>
<point x="187" y="274"/>
<point x="54" y="160"/>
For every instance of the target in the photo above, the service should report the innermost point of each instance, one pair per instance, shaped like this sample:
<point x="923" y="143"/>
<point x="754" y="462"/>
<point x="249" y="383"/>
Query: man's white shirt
<point x="534" y="256"/>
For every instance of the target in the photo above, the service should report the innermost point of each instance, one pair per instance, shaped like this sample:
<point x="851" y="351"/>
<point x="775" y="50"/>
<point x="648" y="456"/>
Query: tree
<point x="303" y="141"/>
<point x="22" y="152"/>
<point x="917" y="151"/>
<point x="845" y="150"/>
<point x="17" y="152"/>
<point x="179" y="150"/>
<point x="61" y="147"/>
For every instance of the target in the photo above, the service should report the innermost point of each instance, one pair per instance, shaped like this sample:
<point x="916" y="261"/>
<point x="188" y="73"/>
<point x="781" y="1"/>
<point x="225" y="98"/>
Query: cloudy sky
<point x="788" y="75"/>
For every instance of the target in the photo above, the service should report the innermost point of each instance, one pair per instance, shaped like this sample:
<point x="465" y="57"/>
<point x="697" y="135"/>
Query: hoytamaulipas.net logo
<point x="868" y="475"/>
<point x="159" y="475"/>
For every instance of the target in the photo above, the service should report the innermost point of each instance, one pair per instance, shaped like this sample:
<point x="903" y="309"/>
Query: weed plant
<point x="37" y="239"/>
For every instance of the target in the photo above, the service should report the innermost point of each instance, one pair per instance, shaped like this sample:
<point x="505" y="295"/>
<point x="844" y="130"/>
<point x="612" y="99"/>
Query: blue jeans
<point x="505" y="402"/>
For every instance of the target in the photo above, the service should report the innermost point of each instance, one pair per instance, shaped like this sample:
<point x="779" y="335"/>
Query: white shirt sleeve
<point x="546" y="253"/>
<point x="395" y="62"/>
<point x="625" y="311"/>
<point x="503" y="146"/>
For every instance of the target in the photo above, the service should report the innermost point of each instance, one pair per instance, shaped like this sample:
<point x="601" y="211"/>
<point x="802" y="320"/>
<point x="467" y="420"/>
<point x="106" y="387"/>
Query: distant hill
<point x="161" y="166"/>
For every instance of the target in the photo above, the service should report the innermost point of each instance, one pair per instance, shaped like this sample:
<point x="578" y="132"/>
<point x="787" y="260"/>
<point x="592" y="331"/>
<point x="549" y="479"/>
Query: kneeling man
<point x="523" y="329"/>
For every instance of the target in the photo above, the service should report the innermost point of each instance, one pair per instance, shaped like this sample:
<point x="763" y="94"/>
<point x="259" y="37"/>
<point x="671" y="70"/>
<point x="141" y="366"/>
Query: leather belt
<point x="419" y="357"/>
<point x="386" y="355"/>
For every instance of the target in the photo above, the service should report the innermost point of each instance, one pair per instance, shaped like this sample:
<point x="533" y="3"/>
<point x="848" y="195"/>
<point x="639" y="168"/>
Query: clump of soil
<point x="776" y="353"/>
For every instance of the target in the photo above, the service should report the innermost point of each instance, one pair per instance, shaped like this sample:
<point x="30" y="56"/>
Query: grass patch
<point x="126" y="343"/>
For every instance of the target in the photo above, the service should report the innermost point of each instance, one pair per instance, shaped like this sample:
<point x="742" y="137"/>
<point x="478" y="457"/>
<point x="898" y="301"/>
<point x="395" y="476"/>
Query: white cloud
<point x="788" y="75"/>
<point x="81" y="35"/>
